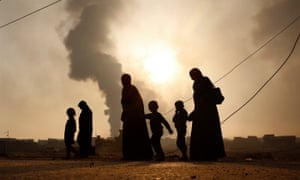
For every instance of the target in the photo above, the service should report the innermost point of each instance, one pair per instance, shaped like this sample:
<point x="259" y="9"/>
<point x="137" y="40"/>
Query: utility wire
<point x="31" y="13"/>
<point x="222" y="77"/>
<point x="256" y="93"/>
<point x="247" y="58"/>
<point x="271" y="77"/>
<point x="257" y="50"/>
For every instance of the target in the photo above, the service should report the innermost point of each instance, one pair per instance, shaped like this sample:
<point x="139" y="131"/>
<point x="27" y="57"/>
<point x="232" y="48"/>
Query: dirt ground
<point x="97" y="168"/>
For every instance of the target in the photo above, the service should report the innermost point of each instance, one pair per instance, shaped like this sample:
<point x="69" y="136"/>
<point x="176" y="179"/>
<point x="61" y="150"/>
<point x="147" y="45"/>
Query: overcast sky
<point x="77" y="50"/>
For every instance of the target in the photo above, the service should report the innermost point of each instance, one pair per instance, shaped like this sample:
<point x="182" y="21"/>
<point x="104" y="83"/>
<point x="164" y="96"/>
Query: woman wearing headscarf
<point x="206" y="136"/>
<point x="136" y="143"/>
<point x="84" y="138"/>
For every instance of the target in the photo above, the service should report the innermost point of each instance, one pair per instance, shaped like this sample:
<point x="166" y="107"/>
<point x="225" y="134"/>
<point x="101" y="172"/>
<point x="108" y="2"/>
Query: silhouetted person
<point x="156" y="121"/>
<point x="84" y="138"/>
<point x="70" y="130"/>
<point x="180" y="119"/>
<point x="135" y="143"/>
<point x="206" y="136"/>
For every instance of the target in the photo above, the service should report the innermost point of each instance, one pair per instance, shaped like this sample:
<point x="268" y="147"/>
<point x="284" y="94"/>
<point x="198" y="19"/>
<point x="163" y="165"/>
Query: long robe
<point x="84" y="137"/>
<point x="135" y="143"/>
<point x="206" y="136"/>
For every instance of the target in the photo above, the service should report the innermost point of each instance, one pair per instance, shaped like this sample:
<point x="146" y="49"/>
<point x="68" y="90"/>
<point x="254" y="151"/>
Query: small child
<point x="70" y="130"/>
<point x="179" y="120"/>
<point x="156" y="121"/>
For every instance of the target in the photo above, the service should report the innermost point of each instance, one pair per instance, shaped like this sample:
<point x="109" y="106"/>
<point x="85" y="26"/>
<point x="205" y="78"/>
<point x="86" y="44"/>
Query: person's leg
<point x="154" y="144"/>
<point x="181" y="143"/>
<point x="86" y="149"/>
<point x="73" y="150"/>
<point x="68" y="151"/>
<point x="160" y="150"/>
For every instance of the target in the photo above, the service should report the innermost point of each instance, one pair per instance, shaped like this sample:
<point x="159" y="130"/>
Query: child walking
<point x="70" y="130"/>
<point x="156" y="121"/>
<point x="179" y="120"/>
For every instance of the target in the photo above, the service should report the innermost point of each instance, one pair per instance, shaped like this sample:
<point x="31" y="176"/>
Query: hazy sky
<point x="78" y="49"/>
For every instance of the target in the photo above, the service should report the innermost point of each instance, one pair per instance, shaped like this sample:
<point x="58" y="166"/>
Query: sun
<point x="161" y="64"/>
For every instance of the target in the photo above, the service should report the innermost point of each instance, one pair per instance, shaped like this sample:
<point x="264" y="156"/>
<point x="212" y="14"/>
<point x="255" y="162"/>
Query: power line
<point x="268" y="80"/>
<point x="31" y="13"/>
<point x="244" y="60"/>
<point x="256" y="93"/>
<point x="222" y="77"/>
<point x="257" y="50"/>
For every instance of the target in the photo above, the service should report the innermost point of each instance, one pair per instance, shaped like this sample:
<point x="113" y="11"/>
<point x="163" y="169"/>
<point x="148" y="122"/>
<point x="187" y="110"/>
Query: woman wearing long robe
<point x="135" y="143"/>
<point x="84" y="137"/>
<point x="206" y="137"/>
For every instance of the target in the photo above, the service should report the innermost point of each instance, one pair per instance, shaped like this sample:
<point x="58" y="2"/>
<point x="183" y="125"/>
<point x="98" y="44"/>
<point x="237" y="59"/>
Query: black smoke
<point x="88" y="44"/>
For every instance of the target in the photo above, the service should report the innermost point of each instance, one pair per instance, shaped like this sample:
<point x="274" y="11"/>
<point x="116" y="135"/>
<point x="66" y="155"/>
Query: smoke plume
<point x="274" y="16"/>
<point x="88" y="43"/>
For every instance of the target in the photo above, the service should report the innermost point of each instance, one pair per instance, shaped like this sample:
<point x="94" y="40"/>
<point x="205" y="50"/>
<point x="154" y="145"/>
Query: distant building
<point x="3" y="144"/>
<point x="51" y="144"/>
<point x="282" y="142"/>
<point x="112" y="145"/>
<point x="12" y="145"/>
<point x="249" y="142"/>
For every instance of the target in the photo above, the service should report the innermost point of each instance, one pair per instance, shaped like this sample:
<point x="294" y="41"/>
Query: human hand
<point x="191" y="116"/>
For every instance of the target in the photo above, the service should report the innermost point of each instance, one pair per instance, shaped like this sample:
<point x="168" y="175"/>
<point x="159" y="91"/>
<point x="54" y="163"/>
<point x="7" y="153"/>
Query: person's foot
<point x="183" y="158"/>
<point x="83" y="156"/>
<point x="159" y="158"/>
<point x="124" y="159"/>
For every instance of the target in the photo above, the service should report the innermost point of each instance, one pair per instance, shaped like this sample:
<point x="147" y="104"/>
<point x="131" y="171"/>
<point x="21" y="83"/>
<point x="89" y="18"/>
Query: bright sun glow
<point x="161" y="64"/>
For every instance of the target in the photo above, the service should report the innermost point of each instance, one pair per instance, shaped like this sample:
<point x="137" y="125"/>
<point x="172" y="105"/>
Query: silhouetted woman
<point x="136" y="143"/>
<point x="206" y="137"/>
<point x="84" y="138"/>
